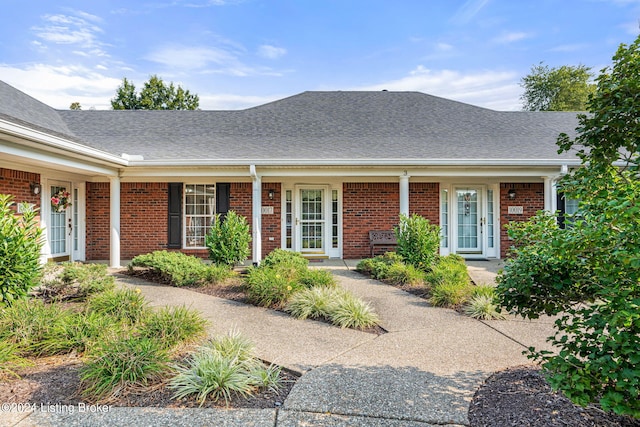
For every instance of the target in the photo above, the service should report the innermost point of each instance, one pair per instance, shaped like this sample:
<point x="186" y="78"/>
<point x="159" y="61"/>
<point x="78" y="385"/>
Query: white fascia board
<point x="56" y="161"/>
<point x="54" y="142"/>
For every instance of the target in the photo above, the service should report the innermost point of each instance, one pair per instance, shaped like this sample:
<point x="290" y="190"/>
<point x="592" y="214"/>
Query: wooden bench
<point x="383" y="238"/>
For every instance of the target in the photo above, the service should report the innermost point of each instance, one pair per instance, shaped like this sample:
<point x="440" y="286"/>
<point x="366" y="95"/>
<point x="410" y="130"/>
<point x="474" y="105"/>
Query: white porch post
<point x="114" y="215"/>
<point x="404" y="194"/>
<point x="549" y="194"/>
<point x="257" y="215"/>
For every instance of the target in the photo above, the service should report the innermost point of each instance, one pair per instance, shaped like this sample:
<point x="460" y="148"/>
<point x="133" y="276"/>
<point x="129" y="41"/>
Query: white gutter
<point x="353" y="162"/>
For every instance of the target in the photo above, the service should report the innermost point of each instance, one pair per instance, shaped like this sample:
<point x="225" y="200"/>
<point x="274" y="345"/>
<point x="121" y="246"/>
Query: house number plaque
<point x="515" y="210"/>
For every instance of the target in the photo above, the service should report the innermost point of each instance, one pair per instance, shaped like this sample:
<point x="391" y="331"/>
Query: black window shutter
<point x="223" y="196"/>
<point x="175" y="215"/>
<point x="561" y="208"/>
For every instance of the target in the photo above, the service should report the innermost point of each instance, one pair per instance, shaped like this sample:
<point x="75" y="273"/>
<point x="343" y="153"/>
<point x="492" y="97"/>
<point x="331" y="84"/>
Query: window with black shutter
<point x="175" y="215"/>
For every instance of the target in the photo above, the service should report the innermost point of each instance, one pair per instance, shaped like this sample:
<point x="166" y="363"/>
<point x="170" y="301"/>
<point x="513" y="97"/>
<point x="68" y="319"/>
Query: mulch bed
<point x="56" y="380"/>
<point x="521" y="396"/>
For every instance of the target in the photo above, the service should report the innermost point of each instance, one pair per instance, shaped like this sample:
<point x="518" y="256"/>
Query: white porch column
<point x="114" y="220"/>
<point x="404" y="194"/>
<point x="549" y="194"/>
<point x="257" y="215"/>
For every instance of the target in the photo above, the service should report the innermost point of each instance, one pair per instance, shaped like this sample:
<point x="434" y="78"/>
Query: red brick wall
<point x="18" y="184"/>
<point x="424" y="200"/>
<point x="97" y="223"/>
<point x="529" y="196"/>
<point x="271" y="224"/>
<point x="365" y="207"/>
<point x="143" y="217"/>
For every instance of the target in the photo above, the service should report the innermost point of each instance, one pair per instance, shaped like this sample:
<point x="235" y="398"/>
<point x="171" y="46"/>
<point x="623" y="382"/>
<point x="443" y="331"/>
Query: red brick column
<point x="528" y="195"/>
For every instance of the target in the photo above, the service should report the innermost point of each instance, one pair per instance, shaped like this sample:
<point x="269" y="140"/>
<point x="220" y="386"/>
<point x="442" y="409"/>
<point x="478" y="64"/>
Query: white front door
<point x="469" y="220"/>
<point x="311" y="226"/>
<point x="60" y="226"/>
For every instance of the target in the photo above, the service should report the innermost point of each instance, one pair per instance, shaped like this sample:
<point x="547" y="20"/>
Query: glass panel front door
<point x="60" y="229"/>
<point x="312" y="221"/>
<point x="469" y="220"/>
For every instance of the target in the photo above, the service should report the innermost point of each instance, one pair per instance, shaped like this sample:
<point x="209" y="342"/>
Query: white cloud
<point x="59" y="86"/>
<point x="76" y="30"/>
<point x="631" y="27"/>
<point x="510" y="37"/>
<point x="191" y="58"/>
<point x="468" y="11"/>
<point x="569" y="47"/>
<point x="271" y="52"/>
<point x="498" y="90"/>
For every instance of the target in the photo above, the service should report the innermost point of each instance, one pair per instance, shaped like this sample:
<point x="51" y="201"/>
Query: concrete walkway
<point x="423" y="372"/>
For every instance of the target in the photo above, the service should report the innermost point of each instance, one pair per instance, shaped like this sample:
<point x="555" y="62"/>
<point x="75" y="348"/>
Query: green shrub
<point x="271" y="287"/>
<point x="73" y="280"/>
<point x="311" y="278"/>
<point x="418" y="241"/>
<point x="378" y="267"/>
<point x="450" y="294"/>
<point x="348" y="311"/>
<point x="483" y="307"/>
<point x="217" y="273"/>
<point x="175" y="268"/>
<point x="173" y="325"/>
<point x="125" y="305"/>
<point x="403" y="274"/>
<point x="228" y="240"/>
<point x="221" y="368"/>
<point x="450" y="269"/>
<point x="281" y="257"/>
<point x="122" y="364"/>
<point x="314" y="303"/>
<point x="20" y="244"/>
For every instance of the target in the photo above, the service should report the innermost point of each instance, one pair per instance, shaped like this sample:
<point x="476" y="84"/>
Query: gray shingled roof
<point x="18" y="107"/>
<point x="323" y="126"/>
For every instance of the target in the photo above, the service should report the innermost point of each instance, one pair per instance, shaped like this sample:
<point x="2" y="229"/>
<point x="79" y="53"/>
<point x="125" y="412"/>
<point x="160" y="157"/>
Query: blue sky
<point x="241" y="53"/>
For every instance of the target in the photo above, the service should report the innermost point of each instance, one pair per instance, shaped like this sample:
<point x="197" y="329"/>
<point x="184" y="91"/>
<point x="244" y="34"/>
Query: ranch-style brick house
<point x="313" y="173"/>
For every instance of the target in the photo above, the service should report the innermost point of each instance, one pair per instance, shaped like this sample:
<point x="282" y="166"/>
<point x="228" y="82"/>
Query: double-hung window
<point x="199" y="213"/>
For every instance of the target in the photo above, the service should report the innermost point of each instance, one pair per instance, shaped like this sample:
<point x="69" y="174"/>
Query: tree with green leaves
<point x="155" y="95"/>
<point x="565" y="88"/>
<point x="75" y="106"/>
<point x="588" y="274"/>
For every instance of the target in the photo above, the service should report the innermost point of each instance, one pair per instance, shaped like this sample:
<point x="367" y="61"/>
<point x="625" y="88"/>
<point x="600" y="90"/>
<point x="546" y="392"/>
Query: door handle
<point x="70" y="226"/>
<point x="297" y="221"/>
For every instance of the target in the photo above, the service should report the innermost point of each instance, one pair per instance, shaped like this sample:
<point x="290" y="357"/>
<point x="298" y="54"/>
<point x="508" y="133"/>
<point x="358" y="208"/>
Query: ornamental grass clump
<point x="123" y="305"/>
<point x="313" y="303"/>
<point x="348" y="311"/>
<point x="173" y="325"/>
<point x="222" y="368"/>
<point x="483" y="307"/>
<point x="122" y="365"/>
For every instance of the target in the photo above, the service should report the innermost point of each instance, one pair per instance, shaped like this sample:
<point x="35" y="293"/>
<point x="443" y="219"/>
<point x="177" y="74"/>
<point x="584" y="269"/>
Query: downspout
<point x="404" y="194"/>
<point x="256" y="215"/>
